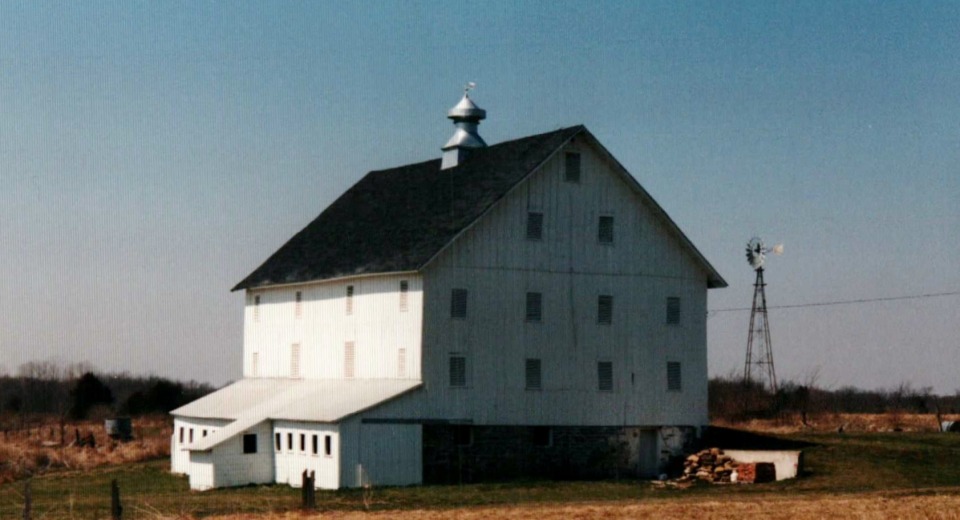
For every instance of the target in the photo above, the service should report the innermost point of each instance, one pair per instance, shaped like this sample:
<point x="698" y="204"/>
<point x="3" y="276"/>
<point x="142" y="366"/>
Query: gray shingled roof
<point x="398" y="219"/>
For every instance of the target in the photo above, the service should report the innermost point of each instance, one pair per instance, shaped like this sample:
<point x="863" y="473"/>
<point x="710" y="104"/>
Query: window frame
<point x="574" y="174"/>
<point x="249" y="449"/>
<point x="674" y="310"/>
<point x="605" y="368"/>
<point x="458" y="303"/>
<point x="533" y="374"/>
<point x="605" y="303"/>
<point x="457" y="358"/>
<point x="534" y="231"/>
<point x="674" y="376"/>
<point x="534" y="307"/>
<point x="605" y="230"/>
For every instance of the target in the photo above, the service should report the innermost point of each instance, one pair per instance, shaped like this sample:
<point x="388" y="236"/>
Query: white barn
<point x="520" y="309"/>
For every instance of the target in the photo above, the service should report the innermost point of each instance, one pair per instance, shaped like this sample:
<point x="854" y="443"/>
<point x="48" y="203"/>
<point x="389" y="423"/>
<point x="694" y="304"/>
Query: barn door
<point x="647" y="454"/>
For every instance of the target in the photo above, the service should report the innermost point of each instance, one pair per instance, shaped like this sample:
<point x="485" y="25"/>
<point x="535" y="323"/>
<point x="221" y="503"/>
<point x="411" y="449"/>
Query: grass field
<point x="863" y="475"/>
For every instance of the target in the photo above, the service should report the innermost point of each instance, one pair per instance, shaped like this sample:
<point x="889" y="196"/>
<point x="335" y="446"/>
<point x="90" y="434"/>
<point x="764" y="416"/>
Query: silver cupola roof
<point x="466" y="115"/>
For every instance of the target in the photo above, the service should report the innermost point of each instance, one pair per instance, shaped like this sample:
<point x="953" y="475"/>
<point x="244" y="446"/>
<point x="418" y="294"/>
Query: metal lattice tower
<point x="759" y="368"/>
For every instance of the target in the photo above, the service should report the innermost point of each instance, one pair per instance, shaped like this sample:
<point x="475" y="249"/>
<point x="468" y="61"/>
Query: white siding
<point x="291" y="463"/>
<point x="179" y="457"/>
<point x="380" y="454"/>
<point x="498" y="265"/>
<point x="233" y="467"/>
<point x="377" y="325"/>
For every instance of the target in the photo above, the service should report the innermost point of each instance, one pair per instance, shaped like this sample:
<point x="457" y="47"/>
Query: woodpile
<point x="709" y="465"/>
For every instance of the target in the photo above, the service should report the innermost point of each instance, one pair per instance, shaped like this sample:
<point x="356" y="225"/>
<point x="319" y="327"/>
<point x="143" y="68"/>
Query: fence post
<point x="27" y="500"/>
<point x="116" y="510"/>
<point x="308" y="495"/>
<point x="312" y="493"/>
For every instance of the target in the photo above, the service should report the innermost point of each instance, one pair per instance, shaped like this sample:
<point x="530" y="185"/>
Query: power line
<point x="843" y="302"/>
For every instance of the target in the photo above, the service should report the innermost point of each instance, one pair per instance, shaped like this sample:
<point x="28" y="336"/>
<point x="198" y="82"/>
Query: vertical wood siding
<point x="379" y="325"/>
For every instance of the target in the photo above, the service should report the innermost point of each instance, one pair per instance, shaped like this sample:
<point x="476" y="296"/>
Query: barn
<point x="513" y="310"/>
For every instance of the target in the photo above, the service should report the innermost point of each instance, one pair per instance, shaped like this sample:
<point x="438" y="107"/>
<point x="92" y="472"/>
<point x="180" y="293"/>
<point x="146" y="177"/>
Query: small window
<point x="673" y="310"/>
<point x="605" y="309"/>
<point x="203" y="433"/>
<point x="534" y="306"/>
<point x="298" y="304"/>
<point x="404" y="293"/>
<point x="674" y="382"/>
<point x="458" y="371"/>
<point x="349" y="359"/>
<point x="295" y="360"/>
<point x="605" y="376"/>
<point x="327" y="445"/>
<point x="181" y="435"/>
<point x="277" y="442"/>
<point x="256" y="308"/>
<point x="191" y="434"/>
<point x="289" y="441"/>
<point x="250" y="443"/>
<point x="605" y="230"/>
<point x="463" y="434"/>
<point x="534" y="226"/>
<point x="541" y="436"/>
<point x="401" y="363"/>
<point x="458" y="303"/>
<point x="532" y="371"/>
<point x="571" y="167"/>
<point x="314" y="444"/>
<point x="303" y="442"/>
<point x="349" y="300"/>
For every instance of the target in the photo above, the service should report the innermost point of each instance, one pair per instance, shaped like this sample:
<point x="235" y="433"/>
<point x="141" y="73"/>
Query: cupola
<point x="466" y="115"/>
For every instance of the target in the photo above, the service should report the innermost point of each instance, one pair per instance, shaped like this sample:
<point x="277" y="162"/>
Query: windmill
<point x="759" y="368"/>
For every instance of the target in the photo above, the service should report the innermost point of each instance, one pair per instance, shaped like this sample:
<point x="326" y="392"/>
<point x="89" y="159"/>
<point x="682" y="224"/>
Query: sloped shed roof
<point x="398" y="219"/>
<point x="249" y="402"/>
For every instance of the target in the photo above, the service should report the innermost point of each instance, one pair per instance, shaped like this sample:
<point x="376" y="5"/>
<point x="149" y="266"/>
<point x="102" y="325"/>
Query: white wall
<point x="291" y="463"/>
<point x="380" y="454"/>
<point x="233" y="467"/>
<point x="377" y="326"/>
<point x="180" y="458"/>
<point x="497" y="265"/>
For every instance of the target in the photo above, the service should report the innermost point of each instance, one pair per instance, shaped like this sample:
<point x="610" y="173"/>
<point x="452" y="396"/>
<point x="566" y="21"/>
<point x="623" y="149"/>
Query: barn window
<point x="289" y="441"/>
<point x="605" y="309"/>
<point x="458" y="370"/>
<point x="191" y="434"/>
<point x="532" y="372"/>
<point x="674" y="383"/>
<point x="349" y="300"/>
<point x="404" y="292"/>
<point x="295" y="360"/>
<point x="402" y="363"/>
<point x="203" y="433"/>
<point x="256" y="308"/>
<point x="314" y="444"/>
<point x="181" y="435"/>
<point x="462" y="434"/>
<point x="327" y="445"/>
<point x="534" y="226"/>
<point x="298" y="304"/>
<point x="349" y="359"/>
<point x="458" y="303"/>
<point x="250" y="443"/>
<point x="571" y="163"/>
<point x="276" y="440"/>
<point x="541" y="436"/>
<point x="605" y="230"/>
<point x="534" y="306"/>
<point x="673" y="310"/>
<point x="303" y="443"/>
<point x="605" y="376"/>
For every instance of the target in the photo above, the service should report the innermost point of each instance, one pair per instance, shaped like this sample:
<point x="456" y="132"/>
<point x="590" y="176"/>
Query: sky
<point x="152" y="154"/>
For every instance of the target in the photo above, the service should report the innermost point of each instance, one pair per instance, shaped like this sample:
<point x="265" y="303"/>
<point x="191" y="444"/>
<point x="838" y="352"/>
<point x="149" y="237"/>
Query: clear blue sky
<point x="153" y="154"/>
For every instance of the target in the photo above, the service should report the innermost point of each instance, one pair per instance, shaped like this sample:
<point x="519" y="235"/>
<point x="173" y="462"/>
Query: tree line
<point x="79" y="391"/>
<point x="732" y="399"/>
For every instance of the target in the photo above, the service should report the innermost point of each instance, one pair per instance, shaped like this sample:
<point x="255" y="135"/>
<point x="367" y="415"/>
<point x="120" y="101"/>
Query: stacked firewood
<point x="709" y="465"/>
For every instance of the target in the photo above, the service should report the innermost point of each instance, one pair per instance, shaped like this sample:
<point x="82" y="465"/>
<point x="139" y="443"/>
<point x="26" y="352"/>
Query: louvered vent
<point x="673" y="310"/>
<point x="532" y="370"/>
<point x="534" y="306"/>
<point x="605" y="309"/>
<point x="605" y="376"/>
<point x="458" y="371"/>
<point x="605" y="230"/>
<point x="349" y="359"/>
<point x="458" y="303"/>
<point x="534" y="226"/>
<point x="674" y="383"/>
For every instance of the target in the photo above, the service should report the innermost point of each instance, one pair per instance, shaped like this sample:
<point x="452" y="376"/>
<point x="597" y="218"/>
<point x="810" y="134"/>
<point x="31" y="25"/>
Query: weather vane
<point x="469" y="86"/>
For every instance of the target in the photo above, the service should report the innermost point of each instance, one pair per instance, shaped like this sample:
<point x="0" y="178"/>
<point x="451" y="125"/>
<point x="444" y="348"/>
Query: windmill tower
<point x="759" y="363"/>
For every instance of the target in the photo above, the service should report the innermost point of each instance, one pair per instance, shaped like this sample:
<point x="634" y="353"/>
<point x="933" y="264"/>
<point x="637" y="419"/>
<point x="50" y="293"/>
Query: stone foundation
<point x="468" y="453"/>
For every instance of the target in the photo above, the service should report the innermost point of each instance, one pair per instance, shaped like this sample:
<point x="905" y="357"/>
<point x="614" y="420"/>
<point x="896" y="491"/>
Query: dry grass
<point x="39" y="450"/>
<point x="851" y="422"/>
<point x="863" y="506"/>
